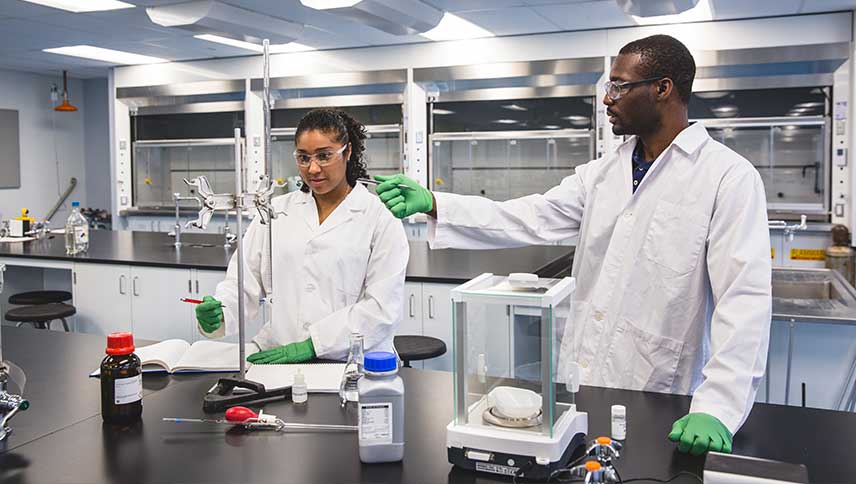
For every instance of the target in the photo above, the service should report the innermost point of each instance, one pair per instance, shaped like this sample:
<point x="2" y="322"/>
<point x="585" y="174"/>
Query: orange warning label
<point x="808" y="254"/>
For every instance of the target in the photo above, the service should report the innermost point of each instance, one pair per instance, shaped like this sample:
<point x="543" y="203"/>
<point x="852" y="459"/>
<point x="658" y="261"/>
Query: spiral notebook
<point x="320" y="377"/>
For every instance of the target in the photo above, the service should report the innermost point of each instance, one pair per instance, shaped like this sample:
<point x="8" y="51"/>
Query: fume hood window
<point x="509" y="149"/>
<point x="169" y="148"/>
<point x="785" y="133"/>
<point x="384" y="147"/>
<point x="759" y="103"/>
<point x="514" y="115"/>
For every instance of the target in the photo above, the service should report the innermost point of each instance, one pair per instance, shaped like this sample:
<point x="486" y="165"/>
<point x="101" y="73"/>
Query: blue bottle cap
<point x="379" y="361"/>
<point x="75" y="204"/>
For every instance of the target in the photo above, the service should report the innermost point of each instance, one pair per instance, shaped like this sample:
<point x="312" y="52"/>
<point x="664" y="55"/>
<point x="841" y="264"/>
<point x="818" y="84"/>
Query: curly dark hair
<point x="665" y="56"/>
<point x="345" y="129"/>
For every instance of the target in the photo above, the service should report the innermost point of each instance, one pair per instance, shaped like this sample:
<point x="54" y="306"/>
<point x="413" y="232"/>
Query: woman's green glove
<point x="209" y="314"/>
<point x="698" y="433"/>
<point x="290" y="353"/>
<point x="404" y="202"/>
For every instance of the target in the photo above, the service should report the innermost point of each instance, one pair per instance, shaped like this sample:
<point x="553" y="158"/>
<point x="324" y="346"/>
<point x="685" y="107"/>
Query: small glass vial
<point x="619" y="422"/>
<point x="121" y="381"/>
<point x="298" y="388"/>
<point x="353" y="370"/>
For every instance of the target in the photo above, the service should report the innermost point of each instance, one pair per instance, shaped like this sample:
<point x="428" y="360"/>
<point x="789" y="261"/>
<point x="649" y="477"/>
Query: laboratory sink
<point x="820" y="295"/>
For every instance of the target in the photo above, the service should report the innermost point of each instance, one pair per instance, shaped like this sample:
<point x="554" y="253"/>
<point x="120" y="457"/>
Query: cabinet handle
<point x="430" y="307"/>
<point x="122" y="284"/>
<point x="74" y="276"/>
<point x="134" y="285"/>
<point x="197" y="286"/>
<point x="189" y="287"/>
<point x="412" y="297"/>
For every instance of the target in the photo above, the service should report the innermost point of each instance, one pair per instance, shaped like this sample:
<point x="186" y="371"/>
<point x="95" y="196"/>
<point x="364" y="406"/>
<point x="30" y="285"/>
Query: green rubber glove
<point x="209" y="314"/>
<point x="698" y="433"/>
<point x="403" y="202"/>
<point x="290" y="353"/>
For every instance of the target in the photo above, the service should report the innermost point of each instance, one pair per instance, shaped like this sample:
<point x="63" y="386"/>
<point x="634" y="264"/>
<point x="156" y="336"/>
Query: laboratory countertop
<point x="61" y="438"/>
<point x="206" y="251"/>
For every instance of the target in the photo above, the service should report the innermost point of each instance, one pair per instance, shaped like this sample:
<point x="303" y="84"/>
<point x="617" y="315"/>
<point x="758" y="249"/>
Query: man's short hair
<point x="665" y="56"/>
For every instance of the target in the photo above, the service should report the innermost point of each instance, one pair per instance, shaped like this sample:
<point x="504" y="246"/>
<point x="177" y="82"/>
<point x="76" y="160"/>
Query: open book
<point x="179" y="356"/>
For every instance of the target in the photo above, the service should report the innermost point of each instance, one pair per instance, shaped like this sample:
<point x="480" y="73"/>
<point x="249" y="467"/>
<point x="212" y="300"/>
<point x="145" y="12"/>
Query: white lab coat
<point x="345" y="275"/>
<point x="673" y="282"/>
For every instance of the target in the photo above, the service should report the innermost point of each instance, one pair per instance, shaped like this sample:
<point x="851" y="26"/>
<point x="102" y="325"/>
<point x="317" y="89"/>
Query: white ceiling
<point x="26" y="29"/>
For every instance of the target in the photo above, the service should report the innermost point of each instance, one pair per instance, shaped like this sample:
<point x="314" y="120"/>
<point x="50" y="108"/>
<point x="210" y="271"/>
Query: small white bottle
<point x="298" y="388"/>
<point x="619" y="422"/>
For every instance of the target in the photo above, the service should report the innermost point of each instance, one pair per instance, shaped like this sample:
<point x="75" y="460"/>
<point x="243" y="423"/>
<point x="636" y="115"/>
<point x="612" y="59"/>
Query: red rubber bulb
<point x="240" y="414"/>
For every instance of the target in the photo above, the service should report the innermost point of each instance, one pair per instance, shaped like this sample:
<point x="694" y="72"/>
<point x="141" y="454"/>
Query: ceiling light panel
<point x="78" y="6"/>
<point x="453" y="27"/>
<point x="105" y="55"/>
<point x="273" y="49"/>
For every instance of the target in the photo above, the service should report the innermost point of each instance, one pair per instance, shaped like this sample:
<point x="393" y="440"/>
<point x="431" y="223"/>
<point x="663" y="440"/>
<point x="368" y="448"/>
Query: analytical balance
<point x="505" y="350"/>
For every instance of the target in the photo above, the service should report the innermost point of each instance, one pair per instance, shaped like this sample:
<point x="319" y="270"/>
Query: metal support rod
<point x="790" y="360"/>
<point x="71" y="184"/>
<point x="850" y="380"/>
<point x="767" y="380"/>
<point x="268" y="166"/>
<point x="549" y="398"/>
<point x="239" y="206"/>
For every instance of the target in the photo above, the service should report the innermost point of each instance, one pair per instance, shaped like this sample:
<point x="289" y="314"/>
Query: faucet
<point x="230" y="237"/>
<point x="789" y="229"/>
<point x="178" y="198"/>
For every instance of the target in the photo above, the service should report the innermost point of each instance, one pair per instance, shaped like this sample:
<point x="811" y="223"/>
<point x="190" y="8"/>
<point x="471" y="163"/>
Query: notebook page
<point x="205" y="355"/>
<point x="320" y="377"/>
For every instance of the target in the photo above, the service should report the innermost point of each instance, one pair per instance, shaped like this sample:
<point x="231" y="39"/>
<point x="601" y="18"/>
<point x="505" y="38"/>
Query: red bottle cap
<point x="120" y="344"/>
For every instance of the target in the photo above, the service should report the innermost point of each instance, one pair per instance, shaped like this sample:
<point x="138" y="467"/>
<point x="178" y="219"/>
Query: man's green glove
<point x="698" y="433"/>
<point x="290" y="353"/>
<point x="404" y="202"/>
<point x="209" y="314"/>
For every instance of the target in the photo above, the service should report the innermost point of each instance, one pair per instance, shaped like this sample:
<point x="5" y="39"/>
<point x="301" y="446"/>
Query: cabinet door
<point x="411" y="314"/>
<point x="411" y="318"/>
<point x="157" y="310"/>
<point x="102" y="296"/>
<point x="437" y="321"/>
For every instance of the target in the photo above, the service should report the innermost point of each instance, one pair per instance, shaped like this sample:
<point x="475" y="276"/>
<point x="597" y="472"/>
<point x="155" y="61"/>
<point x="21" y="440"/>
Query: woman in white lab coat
<point x="339" y="257"/>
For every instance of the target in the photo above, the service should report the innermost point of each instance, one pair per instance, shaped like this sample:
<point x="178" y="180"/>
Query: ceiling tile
<point x="585" y="15"/>
<point x="510" y="21"/>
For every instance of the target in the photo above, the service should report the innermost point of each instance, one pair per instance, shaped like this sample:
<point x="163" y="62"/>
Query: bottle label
<point x="128" y="390"/>
<point x="81" y="234"/>
<point x="375" y="423"/>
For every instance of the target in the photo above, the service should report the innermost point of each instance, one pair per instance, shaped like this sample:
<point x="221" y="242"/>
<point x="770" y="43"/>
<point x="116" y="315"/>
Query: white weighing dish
<point x="522" y="280"/>
<point x="516" y="403"/>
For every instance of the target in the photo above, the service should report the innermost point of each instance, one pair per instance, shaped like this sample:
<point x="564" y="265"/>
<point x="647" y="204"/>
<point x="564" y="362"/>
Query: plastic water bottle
<point x="76" y="231"/>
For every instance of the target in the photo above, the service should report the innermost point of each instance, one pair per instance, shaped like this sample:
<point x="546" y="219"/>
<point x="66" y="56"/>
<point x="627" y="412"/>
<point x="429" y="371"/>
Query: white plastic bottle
<point x="298" y="388"/>
<point x="381" y="409"/>
<point x="76" y="231"/>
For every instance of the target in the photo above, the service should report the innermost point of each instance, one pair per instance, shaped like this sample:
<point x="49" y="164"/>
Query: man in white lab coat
<point x="673" y="259"/>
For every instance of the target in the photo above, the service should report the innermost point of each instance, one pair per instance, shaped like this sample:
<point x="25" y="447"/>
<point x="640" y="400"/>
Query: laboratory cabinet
<point x="142" y="300"/>
<point x="428" y="312"/>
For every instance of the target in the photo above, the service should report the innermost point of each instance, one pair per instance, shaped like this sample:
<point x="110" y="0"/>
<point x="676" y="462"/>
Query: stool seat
<point x="41" y="315"/>
<point x="40" y="297"/>
<point x="416" y="348"/>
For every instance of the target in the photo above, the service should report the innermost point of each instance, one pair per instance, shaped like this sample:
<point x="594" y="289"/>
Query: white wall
<point x="51" y="143"/>
<point x="96" y="127"/>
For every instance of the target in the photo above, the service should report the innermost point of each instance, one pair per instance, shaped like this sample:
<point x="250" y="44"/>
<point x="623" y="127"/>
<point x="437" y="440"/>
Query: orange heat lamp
<point x="65" y="107"/>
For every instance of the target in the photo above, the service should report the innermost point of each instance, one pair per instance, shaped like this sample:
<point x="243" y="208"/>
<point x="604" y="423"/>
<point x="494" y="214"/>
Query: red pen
<point x="196" y="301"/>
